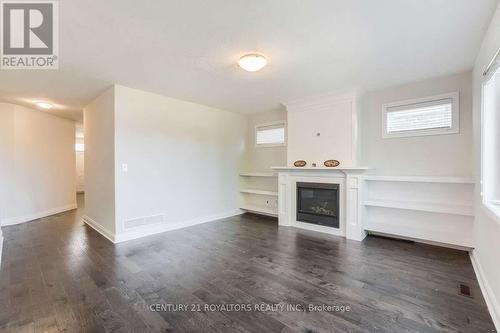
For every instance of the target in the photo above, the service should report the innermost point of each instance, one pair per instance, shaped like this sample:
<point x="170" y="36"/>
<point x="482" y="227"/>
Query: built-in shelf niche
<point x="437" y="209"/>
<point x="259" y="192"/>
<point x="258" y="174"/>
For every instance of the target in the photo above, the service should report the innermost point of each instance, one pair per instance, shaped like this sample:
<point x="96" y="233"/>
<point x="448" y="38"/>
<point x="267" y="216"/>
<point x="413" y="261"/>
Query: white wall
<point x="438" y="155"/>
<point x="37" y="174"/>
<point x="99" y="118"/>
<point x="261" y="159"/>
<point x="486" y="226"/>
<point x="183" y="159"/>
<point x="6" y="157"/>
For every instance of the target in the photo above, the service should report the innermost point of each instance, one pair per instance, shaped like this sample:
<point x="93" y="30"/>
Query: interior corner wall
<point x="37" y="164"/>
<point x="182" y="159"/>
<point x="80" y="168"/>
<point x="261" y="159"/>
<point x="99" y="160"/>
<point x="433" y="155"/>
<point x="6" y="158"/>
<point x="486" y="226"/>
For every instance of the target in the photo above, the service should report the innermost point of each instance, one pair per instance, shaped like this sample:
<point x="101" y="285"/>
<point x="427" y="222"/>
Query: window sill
<point x="493" y="210"/>
<point x="427" y="132"/>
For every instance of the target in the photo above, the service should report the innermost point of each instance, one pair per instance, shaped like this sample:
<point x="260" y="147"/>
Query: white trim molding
<point x="322" y="100"/>
<point x="99" y="228"/>
<point x="489" y="141"/>
<point x="36" y="216"/>
<point x="155" y="229"/>
<point x="489" y="296"/>
<point x="1" y="246"/>
<point x="493" y="211"/>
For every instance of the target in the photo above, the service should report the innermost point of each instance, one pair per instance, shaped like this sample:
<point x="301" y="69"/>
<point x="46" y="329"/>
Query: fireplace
<point x="318" y="203"/>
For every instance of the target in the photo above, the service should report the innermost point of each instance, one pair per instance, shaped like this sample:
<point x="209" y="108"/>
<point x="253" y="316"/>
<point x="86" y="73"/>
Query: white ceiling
<point x="188" y="49"/>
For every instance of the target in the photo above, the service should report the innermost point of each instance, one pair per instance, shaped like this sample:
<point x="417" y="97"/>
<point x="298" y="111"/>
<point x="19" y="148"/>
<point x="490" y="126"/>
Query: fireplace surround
<point x="347" y="181"/>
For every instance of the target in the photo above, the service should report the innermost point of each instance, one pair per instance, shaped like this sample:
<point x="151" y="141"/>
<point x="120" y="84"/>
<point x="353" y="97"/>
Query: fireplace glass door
<point x="318" y="203"/>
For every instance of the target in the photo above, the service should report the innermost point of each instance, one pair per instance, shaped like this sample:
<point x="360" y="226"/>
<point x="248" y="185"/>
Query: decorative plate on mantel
<point x="300" y="163"/>
<point x="331" y="163"/>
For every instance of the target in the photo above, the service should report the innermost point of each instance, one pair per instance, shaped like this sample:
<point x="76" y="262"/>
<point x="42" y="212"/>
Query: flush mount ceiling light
<point x="44" y="105"/>
<point x="252" y="62"/>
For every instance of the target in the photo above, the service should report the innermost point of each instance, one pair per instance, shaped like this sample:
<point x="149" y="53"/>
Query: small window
<point x="269" y="135"/>
<point x="426" y="116"/>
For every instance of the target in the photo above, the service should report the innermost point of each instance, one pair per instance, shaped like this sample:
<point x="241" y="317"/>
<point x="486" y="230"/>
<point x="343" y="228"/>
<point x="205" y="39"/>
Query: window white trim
<point x="268" y="145"/>
<point x="486" y="79"/>
<point x="455" y="115"/>
<point x="492" y="206"/>
<point x="79" y="147"/>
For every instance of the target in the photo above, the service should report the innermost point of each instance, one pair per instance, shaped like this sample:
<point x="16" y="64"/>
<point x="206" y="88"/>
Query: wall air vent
<point x="143" y="221"/>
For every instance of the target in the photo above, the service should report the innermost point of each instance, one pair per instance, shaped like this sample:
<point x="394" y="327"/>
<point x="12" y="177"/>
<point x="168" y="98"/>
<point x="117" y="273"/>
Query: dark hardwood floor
<point x="59" y="275"/>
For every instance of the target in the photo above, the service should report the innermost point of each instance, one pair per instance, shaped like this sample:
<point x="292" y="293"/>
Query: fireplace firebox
<point x="318" y="203"/>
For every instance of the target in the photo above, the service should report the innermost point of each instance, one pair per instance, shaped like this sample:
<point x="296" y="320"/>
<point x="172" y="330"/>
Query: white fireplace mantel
<point x="343" y="169"/>
<point x="350" y="207"/>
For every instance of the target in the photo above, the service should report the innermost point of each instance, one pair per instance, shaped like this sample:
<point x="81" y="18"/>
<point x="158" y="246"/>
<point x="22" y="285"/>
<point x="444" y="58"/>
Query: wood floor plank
<point x="58" y="275"/>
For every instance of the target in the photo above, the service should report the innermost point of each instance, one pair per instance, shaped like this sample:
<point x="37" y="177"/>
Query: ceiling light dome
<point x="252" y="62"/>
<point x="44" y="105"/>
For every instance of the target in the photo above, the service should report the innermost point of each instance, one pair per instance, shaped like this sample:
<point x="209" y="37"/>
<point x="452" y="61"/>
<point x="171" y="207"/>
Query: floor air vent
<point x="143" y="221"/>
<point x="465" y="290"/>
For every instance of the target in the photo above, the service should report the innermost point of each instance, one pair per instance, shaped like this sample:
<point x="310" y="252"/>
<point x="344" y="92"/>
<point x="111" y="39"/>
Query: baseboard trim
<point x="143" y="232"/>
<point x="422" y="241"/>
<point x="489" y="296"/>
<point x="1" y="246"/>
<point x="36" y="216"/>
<point x="99" y="228"/>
